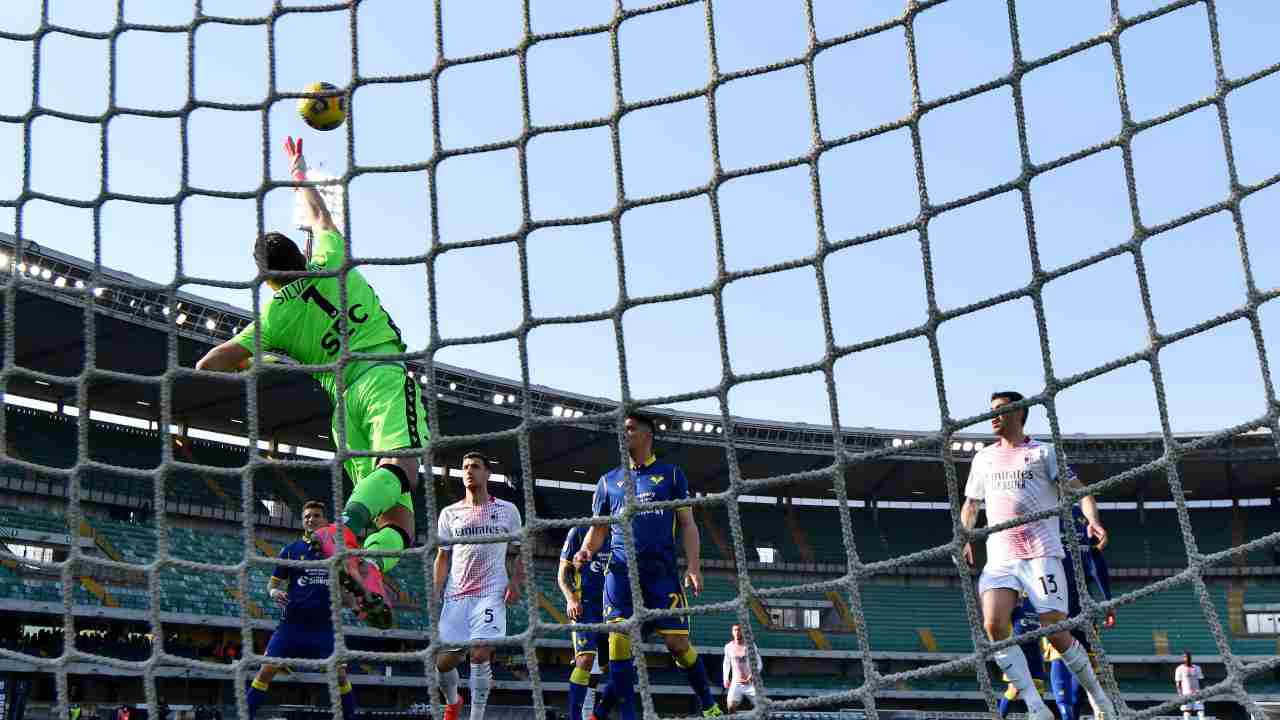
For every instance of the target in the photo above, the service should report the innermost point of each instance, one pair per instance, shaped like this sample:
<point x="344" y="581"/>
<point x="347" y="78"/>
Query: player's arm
<point x="1089" y="506"/>
<point x="969" y="519"/>
<point x="725" y="669"/>
<point x="230" y="356"/>
<point x="566" y="577"/>
<point x="441" y="570"/>
<point x="594" y="538"/>
<point x="975" y="491"/>
<point x="279" y="581"/>
<point x="591" y="543"/>
<point x="689" y="538"/>
<point x="315" y="215"/>
<point x="692" y="543"/>
<point x="515" y="571"/>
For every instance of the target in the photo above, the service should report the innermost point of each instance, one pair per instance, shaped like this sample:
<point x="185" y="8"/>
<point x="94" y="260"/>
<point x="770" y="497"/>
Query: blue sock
<point x="348" y="701"/>
<point x="696" y="674"/>
<point x="622" y="678"/>
<point x="605" y="700"/>
<point x="1004" y="706"/>
<point x="254" y="698"/>
<point x="578" y="683"/>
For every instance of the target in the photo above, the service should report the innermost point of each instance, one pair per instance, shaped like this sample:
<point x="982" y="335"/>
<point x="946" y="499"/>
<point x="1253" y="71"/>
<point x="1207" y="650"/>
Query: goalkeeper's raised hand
<point x="317" y="216"/>
<point x="297" y="163"/>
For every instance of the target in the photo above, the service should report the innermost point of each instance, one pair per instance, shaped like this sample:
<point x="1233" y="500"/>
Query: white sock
<point x="1014" y="664"/>
<point x="480" y="681"/>
<point x="449" y="685"/>
<point x="1077" y="661"/>
<point x="589" y="704"/>
<point x="1201" y="712"/>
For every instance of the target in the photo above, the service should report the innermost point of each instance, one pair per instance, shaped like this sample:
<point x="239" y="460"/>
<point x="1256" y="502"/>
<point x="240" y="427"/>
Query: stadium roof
<point x="138" y="325"/>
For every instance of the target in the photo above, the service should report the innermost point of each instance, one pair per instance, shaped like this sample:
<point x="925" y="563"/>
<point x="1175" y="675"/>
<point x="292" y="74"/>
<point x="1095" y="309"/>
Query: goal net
<point x="824" y="194"/>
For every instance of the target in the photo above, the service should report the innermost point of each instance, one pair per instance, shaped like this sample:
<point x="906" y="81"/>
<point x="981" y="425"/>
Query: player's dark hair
<point x="477" y="455"/>
<point x="277" y="251"/>
<point x="641" y="419"/>
<point x="313" y="504"/>
<point x="1012" y="396"/>
<point x="1186" y="656"/>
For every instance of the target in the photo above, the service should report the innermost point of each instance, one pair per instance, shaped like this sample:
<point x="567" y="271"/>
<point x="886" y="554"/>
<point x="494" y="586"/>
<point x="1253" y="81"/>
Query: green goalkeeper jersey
<point x="302" y="319"/>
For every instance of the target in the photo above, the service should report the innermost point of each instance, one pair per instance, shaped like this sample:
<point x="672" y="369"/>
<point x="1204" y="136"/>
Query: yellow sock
<point x="344" y="688"/>
<point x="259" y="685"/>
<point x="580" y="676"/>
<point x="688" y="658"/>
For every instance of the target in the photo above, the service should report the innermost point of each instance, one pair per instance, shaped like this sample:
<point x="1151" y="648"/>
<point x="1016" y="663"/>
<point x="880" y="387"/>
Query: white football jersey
<point x="479" y="569"/>
<point x="1015" y="482"/>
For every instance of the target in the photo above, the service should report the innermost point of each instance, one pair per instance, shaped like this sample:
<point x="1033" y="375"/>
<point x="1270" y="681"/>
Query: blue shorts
<point x="659" y="590"/>
<point x="591" y="642"/>
<point x="293" y="641"/>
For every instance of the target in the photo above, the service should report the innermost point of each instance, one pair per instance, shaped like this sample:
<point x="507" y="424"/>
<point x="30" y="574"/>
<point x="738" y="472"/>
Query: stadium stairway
<point x="100" y="592"/>
<point x="798" y="535"/>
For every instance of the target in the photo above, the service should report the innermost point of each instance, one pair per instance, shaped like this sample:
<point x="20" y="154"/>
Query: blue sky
<point x="1195" y="273"/>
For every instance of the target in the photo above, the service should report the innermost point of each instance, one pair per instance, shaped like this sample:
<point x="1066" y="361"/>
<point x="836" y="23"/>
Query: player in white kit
<point x="478" y="588"/>
<point x="1018" y="476"/>
<point x="737" y="671"/>
<point x="1186" y="679"/>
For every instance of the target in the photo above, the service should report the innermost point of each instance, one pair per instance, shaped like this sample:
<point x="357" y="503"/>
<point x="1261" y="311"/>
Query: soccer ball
<point x="323" y="113"/>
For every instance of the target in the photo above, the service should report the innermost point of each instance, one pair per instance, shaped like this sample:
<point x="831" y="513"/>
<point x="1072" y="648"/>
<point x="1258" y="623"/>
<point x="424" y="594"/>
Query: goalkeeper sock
<point x="696" y="674"/>
<point x="388" y="538"/>
<point x="579" y="686"/>
<point x="348" y="701"/>
<point x="255" y="696"/>
<point x="373" y="495"/>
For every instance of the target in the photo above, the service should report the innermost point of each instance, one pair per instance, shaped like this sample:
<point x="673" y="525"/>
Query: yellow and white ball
<point x="323" y="113"/>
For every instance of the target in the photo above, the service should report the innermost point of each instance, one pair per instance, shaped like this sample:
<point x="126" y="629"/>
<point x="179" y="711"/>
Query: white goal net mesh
<point x="842" y="458"/>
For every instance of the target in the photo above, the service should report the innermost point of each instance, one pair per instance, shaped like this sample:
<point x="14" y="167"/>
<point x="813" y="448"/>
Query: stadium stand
<point x="920" y="615"/>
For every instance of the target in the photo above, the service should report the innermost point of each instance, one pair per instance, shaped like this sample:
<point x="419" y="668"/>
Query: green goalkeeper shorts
<point x="384" y="411"/>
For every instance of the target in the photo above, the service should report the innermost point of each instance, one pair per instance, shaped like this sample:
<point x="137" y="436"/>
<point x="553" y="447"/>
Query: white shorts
<point x="1196" y="706"/>
<point x="738" y="690"/>
<point x="1042" y="579"/>
<point x="473" y="618"/>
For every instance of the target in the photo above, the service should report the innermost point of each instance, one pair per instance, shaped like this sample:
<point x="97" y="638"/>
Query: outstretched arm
<point x="230" y="356"/>
<point x="315" y="215"/>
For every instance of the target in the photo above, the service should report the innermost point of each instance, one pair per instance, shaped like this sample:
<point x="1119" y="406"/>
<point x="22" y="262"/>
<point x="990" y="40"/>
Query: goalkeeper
<point x="383" y="408"/>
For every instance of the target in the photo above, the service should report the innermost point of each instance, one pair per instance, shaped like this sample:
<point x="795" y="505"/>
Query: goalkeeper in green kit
<point x="383" y="408"/>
